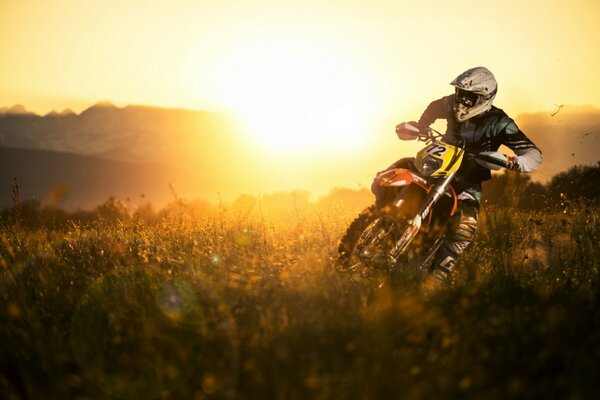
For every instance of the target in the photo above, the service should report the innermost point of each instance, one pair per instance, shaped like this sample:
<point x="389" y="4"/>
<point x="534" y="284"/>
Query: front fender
<point x="413" y="190"/>
<point x="401" y="177"/>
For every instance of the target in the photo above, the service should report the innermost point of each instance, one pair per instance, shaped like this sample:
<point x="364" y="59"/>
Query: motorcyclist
<point x="469" y="113"/>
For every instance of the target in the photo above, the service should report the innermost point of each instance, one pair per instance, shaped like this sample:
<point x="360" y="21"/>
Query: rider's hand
<point x="513" y="164"/>
<point x="415" y="124"/>
<point x="409" y="130"/>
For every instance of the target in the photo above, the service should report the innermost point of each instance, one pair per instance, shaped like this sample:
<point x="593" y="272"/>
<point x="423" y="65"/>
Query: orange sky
<point x="60" y="53"/>
<point x="306" y="76"/>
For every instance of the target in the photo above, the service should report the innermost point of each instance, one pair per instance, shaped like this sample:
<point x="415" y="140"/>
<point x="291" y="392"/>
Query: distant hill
<point x="74" y="181"/>
<point x="193" y="142"/>
<point x="17" y="109"/>
<point x="132" y="133"/>
<point x="567" y="136"/>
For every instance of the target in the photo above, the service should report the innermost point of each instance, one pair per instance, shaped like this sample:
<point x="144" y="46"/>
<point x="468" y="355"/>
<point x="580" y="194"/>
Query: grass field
<point x="251" y="306"/>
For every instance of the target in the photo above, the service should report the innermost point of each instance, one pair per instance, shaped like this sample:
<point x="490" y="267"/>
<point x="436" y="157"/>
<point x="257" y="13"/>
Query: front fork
<point x="415" y="224"/>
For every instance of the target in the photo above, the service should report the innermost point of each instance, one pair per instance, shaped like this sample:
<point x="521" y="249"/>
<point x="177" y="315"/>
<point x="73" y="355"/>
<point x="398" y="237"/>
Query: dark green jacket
<point x="485" y="132"/>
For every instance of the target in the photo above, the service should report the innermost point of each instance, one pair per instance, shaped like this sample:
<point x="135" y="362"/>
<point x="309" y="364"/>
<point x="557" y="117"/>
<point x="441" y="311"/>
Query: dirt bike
<point x="406" y="225"/>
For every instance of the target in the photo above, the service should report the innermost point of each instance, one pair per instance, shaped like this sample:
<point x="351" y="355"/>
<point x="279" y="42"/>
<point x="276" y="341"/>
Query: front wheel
<point x="366" y="244"/>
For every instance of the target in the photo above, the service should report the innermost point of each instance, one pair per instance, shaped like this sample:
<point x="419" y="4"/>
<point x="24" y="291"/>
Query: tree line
<point x="512" y="189"/>
<point x="579" y="184"/>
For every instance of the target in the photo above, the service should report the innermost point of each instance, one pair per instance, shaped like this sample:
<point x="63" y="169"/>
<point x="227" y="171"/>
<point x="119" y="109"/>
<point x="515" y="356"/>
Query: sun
<point x="295" y="96"/>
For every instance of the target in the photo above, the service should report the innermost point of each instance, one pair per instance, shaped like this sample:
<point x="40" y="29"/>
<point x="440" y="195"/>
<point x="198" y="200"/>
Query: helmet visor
<point x="466" y="98"/>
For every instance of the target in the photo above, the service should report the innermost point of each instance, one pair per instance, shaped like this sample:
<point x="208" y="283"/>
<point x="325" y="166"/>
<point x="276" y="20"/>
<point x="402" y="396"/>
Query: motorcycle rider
<point x="469" y="113"/>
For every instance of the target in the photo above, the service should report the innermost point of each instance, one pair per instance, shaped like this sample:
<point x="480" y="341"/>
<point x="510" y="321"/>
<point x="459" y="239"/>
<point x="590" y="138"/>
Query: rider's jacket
<point x="485" y="132"/>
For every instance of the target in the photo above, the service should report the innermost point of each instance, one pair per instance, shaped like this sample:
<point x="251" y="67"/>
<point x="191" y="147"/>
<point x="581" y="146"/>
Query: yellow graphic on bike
<point x="439" y="159"/>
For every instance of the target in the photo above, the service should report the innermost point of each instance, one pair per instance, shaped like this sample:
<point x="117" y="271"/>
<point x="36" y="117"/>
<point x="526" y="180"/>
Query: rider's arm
<point x="529" y="156"/>
<point x="437" y="109"/>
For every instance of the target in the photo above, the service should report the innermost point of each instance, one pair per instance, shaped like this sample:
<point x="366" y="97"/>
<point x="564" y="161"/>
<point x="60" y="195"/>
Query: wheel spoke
<point x="370" y="250"/>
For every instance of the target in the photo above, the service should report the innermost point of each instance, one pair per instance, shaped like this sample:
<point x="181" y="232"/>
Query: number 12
<point x="436" y="150"/>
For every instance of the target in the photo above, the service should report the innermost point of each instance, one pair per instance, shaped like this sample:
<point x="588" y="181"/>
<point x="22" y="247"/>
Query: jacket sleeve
<point x="528" y="154"/>
<point x="437" y="109"/>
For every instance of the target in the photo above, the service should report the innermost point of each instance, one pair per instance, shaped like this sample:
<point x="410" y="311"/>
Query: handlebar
<point x="411" y="130"/>
<point x="491" y="160"/>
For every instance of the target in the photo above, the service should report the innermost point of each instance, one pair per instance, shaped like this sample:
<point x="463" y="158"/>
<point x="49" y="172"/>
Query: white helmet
<point x="475" y="91"/>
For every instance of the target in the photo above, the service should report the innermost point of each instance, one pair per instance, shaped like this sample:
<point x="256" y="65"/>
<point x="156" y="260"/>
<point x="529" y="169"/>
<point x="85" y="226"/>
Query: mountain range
<point x="132" y="133"/>
<point x="139" y="150"/>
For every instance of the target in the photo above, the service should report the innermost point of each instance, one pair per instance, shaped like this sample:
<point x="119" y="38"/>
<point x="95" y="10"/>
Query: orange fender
<point x="402" y="177"/>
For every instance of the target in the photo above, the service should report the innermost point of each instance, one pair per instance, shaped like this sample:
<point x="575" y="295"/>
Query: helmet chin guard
<point x="475" y="92"/>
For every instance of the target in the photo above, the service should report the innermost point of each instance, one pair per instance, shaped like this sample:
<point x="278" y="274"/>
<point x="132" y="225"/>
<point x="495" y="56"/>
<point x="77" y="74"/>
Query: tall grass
<point x="252" y="306"/>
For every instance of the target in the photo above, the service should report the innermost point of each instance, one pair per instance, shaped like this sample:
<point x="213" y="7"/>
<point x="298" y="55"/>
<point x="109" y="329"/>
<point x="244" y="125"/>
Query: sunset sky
<point x="333" y="73"/>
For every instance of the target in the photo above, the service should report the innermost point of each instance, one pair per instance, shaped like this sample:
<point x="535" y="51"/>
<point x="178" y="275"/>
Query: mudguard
<point x="400" y="177"/>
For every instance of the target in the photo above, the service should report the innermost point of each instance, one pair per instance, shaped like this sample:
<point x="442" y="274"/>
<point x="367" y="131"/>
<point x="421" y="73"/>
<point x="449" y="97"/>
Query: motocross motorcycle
<point x="406" y="225"/>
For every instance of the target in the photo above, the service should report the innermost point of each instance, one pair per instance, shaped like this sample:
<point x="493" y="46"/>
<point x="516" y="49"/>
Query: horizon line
<point x="110" y="104"/>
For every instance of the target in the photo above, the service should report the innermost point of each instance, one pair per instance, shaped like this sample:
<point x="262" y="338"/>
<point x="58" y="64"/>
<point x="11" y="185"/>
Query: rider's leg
<point x="459" y="235"/>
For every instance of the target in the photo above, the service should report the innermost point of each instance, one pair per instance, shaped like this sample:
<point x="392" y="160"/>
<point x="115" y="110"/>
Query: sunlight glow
<point x="295" y="96"/>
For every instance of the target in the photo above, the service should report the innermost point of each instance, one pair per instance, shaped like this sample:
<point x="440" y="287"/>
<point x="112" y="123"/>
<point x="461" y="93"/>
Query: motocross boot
<point x="459" y="236"/>
<point x="444" y="262"/>
<point x="442" y="266"/>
